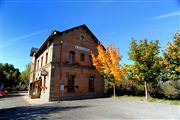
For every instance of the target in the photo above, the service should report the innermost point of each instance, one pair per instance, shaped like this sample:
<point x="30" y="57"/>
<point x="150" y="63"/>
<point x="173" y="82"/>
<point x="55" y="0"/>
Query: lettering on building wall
<point x="82" y="48"/>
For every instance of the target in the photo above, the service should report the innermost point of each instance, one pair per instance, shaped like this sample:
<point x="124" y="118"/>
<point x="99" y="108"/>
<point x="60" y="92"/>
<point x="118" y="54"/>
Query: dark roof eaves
<point x="44" y="43"/>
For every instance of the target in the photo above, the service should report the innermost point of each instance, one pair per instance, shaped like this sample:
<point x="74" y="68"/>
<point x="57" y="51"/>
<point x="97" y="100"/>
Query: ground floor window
<point x="71" y="83"/>
<point x="91" y="84"/>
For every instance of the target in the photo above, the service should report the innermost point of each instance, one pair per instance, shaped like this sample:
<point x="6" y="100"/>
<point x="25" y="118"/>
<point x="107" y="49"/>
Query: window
<point x="82" y="37"/>
<point x="91" y="84"/>
<point x="38" y="64"/>
<point x="44" y="82"/>
<point x="82" y="57"/>
<point x="46" y="58"/>
<point x="89" y="60"/>
<point x="71" y="83"/>
<point x="71" y="57"/>
<point x="41" y="61"/>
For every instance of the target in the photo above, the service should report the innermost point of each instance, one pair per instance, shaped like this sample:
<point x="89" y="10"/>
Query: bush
<point x="170" y="89"/>
<point x="129" y="87"/>
<point x="153" y="90"/>
<point x="108" y="88"/>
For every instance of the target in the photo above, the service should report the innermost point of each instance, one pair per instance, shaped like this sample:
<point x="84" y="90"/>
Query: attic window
<point x="82" y="37"/>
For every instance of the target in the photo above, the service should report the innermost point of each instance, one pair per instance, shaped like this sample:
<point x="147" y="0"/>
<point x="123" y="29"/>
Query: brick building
<point x="62" y="66"/>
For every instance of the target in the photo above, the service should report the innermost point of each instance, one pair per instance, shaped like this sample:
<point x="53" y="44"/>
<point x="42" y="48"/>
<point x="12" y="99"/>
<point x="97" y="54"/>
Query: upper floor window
<point x="38" y="64"/>
<point x="82" y="56"/>
<point x="41" y="61"/>
<point x="46" y="58"/>
<point x="82" y="37"/>
<point x="71" y="57"/>
<point x="90" y="60"/>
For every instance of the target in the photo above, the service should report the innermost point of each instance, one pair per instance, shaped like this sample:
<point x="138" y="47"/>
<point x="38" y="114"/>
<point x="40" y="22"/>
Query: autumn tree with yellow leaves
<point x="147" y="63"/>
<point x="171" y="62"/>
<point x="107" y="63"/>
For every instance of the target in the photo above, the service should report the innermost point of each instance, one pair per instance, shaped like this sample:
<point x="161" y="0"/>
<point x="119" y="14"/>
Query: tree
<point x="171" y="60"/>
<point x="107" y="63"/>
<point x="9" y="75"/>
<point x="146" y="68"/>
<point x="25" y="75"/>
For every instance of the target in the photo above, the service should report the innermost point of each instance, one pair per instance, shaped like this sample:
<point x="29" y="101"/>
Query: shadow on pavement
<point x="12" y="95"/>
<point x="33" y="112"/>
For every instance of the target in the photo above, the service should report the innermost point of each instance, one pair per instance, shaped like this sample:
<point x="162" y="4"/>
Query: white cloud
<point x="172" y="14"/>
<point x="19" y="38"/>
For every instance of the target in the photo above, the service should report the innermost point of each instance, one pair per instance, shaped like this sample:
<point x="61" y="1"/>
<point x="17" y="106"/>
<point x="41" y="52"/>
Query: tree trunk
<point x="114" y="90"/>
<point x="146" y="91"/>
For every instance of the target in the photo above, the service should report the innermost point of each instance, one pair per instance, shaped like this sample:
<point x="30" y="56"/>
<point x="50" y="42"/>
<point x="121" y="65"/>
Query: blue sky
<point x="25" y="24"/>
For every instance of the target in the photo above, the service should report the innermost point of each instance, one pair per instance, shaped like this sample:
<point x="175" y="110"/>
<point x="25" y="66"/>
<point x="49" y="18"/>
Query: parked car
<point x="2" y="91"/>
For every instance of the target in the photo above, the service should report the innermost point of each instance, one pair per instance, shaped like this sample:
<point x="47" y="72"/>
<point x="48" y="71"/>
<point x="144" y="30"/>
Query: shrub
<point x="129" y="87"/>
<point x="170" y="89"/>
<point x="153" y="90"/>
<point x="108" y="88"/>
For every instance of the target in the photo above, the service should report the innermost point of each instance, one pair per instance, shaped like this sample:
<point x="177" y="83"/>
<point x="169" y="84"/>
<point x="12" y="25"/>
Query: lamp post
<point x="61" y="81"/>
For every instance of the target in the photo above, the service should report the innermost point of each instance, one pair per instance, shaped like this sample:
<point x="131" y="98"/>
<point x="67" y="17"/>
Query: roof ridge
<point x="60" y="32"/>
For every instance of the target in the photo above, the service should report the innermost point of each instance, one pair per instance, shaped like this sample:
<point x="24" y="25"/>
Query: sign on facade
<point x="44" y="73"/>
<point x="61" y="87"/>
<point x="82" y="48"/>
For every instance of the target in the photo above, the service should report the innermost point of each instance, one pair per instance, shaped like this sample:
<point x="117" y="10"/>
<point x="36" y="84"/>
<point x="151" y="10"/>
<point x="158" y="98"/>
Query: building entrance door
<point x="36" y="89"/>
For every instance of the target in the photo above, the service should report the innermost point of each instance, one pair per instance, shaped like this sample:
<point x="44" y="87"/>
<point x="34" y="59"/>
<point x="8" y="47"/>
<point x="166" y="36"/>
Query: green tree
<point x="9" y="75"/>
<point x="146" y="68"/>
<point x="25" y="75"/>
<point x="171" y="60"/>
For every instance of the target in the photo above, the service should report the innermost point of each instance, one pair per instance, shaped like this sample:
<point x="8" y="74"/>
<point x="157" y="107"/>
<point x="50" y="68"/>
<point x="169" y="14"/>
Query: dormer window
<point x="82" y="37"/>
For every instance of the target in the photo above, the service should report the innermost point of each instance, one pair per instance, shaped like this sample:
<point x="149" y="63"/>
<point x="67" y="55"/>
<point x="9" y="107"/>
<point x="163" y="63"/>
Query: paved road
<point x="104" y="108"/>
<point x="13" y="100"/>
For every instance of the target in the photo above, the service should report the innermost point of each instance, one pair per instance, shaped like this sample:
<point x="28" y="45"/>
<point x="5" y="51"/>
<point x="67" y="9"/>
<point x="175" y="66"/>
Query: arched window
<point x="71" y="57"/>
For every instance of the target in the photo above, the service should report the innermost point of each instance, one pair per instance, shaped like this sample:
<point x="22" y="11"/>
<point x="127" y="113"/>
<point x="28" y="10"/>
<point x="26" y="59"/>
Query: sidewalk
<point x="34" y="101"/>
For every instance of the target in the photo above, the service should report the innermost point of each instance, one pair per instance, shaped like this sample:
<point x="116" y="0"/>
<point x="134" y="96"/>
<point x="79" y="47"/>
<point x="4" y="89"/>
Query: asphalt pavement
<point x="16" y="107"/>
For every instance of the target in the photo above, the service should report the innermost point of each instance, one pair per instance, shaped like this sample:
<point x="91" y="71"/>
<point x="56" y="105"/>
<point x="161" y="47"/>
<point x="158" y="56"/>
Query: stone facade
<point x="66" y="57"/>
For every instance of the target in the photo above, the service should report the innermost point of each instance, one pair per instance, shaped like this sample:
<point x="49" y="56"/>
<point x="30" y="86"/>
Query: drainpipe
<point x="61" y="81"/>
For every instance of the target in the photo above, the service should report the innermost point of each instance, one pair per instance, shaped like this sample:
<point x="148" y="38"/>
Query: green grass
<point x="142" y="98"/>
